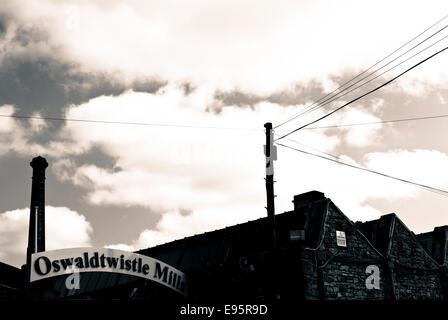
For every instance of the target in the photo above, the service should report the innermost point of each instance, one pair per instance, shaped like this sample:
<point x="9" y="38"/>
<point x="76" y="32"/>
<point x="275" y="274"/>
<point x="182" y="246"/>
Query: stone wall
<point x="344" y="270"/>
<point x="416" y="274"/>
<point x="381" y="260"/>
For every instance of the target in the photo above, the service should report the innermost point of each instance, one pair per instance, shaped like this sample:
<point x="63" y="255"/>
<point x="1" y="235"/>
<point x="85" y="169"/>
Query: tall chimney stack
<point x="36" y="243"/>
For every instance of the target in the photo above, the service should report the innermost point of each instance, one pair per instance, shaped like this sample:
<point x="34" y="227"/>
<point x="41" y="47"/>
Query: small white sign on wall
<point x="340" y="239"/>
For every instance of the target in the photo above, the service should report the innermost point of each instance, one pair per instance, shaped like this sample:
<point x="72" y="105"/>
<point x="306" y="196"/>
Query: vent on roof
<point x="306" y="198"/>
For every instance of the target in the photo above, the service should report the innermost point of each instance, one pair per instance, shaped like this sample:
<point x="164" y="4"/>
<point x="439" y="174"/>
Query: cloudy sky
<point x="229" y="66"/>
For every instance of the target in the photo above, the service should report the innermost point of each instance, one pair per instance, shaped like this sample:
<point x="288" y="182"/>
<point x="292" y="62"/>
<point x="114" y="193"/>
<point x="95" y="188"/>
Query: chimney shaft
<point x="39" y="165"/>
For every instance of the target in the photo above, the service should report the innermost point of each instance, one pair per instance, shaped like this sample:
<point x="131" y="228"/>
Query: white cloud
<point x="422" y="166"/>
<point x="173" y="225"/>
<point x="260" y="48"/>
<point x="171" y="168"/>
<point x="37" y="124"/>
<point x="8" y="124"/>
<point x="30" y="45"/>
<point x="13" y="136"/>
<point x="218" y="175"/>
<point x="121" y="246"/>
<point x="349" y="188"/>
<point x="65" y="228"/>
<point x="356" y="136"/>
<point x="441" y="98"/>
<point x="360" y="136"/>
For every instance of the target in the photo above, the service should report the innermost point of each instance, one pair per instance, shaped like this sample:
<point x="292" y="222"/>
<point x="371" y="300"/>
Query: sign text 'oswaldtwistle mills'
<point x="56" y="263"/>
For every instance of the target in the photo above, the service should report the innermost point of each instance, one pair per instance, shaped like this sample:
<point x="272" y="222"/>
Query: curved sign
<point x="55" y="263"/>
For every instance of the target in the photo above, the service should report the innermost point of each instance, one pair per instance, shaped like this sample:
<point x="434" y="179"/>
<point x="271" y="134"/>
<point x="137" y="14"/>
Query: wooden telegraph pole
<point x="270" y="152"/>
<point x="271" y="155"/>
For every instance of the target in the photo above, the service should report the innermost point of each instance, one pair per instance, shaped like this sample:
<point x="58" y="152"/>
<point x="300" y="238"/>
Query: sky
<point x="209" y="74"/>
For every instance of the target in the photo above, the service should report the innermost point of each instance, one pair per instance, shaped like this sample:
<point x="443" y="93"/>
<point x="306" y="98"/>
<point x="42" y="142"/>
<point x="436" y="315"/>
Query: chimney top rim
<point x="39" y="162"/>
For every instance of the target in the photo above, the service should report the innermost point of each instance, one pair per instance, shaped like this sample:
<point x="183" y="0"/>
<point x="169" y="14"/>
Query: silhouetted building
<point x="318" y="254"/>
<point x="11" y="281"/>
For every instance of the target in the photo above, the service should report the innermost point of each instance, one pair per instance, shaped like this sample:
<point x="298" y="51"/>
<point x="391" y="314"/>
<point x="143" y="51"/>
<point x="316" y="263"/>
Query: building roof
<point x="11" y="279"/>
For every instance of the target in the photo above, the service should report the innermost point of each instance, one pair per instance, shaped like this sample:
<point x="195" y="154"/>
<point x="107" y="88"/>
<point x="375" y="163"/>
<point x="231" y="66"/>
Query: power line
<point x="360" y="74"/>
<point x="377" y="122"/>
<point x="339" y="159"/>
<point x="210" y="127"/>
<point x="428" y="188"/>
<point x="320" y="151"/>
<point x="365" y="94"/>
<point x="338" y="96"/>
<point x="127" y="123"/>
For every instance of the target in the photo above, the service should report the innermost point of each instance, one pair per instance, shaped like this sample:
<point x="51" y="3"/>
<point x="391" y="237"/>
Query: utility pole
<point x="270" y="152"/>
<point x="271" y="155"/>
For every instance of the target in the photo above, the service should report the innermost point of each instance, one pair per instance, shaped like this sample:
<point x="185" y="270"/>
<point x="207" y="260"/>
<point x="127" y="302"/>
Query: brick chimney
<point x="310" y="209"/>
<point x="39" y="165"/>
<point x="307" y="198"/>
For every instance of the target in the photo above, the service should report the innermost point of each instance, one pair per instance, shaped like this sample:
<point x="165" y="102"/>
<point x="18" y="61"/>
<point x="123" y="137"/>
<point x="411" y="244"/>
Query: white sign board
<point x="56" y="263"/>
<point x="340" y="239"/>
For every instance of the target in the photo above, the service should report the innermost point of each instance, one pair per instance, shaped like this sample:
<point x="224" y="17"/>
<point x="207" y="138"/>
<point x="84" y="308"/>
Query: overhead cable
<point x="365" y="94"/>
<point x="377" y="122"/>
<point x="342" y="93"/>
<point x="426" y="187"/>
<point x="363" y="72"/>
<point x="127" y="123"/>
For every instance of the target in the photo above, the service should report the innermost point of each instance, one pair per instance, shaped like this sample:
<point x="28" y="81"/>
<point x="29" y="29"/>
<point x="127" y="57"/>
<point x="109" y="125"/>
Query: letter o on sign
<point x="373" y="280"/>
<point x="37" y="265"/>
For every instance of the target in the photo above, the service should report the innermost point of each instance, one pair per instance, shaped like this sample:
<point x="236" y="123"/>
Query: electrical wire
<point x="127" y="123"/>
<point x="365" y="94"/>
<point x="320" y="151"/>
<point x="339" y="94"/>
<point x="377" y="122"/>
<point x="360" y="74"/>
<point x="425" y="187"/>
<point x="324" y="103"/>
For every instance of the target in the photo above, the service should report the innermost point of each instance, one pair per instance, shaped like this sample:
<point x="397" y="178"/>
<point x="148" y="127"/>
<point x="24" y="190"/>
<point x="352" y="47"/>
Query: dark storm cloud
<point x="96" y="157"/>
<point x="44" y="84"/>
<point x="27" y="35"/>
<point x="2" y="25"/>
<point x="35" y="83"/>
<point x="16" y="193"/>
<point x="397" y="104"/>
<point x="301" y="93"/>
<point x="109" y="221"/>
<point x="48" y="87"/>
<point x="188" y="88"/>
<point x="106" y="220"/>
<point x="238" y="98"/>
<point x="421" y="134"/>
